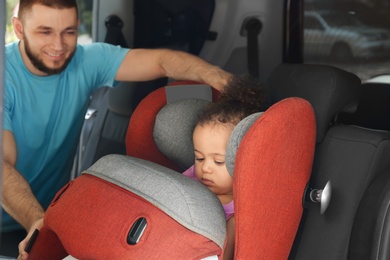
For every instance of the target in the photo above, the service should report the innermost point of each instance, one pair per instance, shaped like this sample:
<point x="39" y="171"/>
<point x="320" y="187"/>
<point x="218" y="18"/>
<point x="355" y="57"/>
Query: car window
<point x="85" y="12"/>
<point x="340" y="19"/>
<point x="312" y="23"/>
<point x="353" y="35"/>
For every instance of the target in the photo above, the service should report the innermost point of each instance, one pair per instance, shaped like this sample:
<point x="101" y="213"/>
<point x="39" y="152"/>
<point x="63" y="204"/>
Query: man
<point x="48" y="81"/>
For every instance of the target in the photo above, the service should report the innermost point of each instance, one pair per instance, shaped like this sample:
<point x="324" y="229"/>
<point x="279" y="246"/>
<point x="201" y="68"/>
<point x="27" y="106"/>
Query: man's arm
<point x="148" y="64"/>
<point x="17" y="198"/>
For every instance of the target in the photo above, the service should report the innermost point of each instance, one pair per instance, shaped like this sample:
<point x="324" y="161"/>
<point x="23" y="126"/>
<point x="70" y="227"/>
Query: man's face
<point x="48" y="38"/>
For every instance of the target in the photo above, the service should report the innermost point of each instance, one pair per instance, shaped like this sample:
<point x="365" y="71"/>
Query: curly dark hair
<point x="243" y="96"/>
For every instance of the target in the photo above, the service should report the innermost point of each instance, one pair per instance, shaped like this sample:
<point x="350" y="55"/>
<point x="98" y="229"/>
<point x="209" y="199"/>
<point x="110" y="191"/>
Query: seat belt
<point x="114" y="34"/>
<point x="253" y="27"/>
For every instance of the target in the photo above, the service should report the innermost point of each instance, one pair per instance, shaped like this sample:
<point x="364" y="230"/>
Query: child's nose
<point x="206" y="167"/>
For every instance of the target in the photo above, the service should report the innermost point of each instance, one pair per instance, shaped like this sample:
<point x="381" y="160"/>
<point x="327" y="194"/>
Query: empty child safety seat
<point x="125" y="207"/>
<point x="353" y="158"/>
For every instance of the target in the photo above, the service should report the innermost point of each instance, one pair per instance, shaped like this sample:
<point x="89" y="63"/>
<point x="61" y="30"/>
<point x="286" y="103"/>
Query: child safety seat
<point x="271" y="162"/>
<point x="125" y="207"/>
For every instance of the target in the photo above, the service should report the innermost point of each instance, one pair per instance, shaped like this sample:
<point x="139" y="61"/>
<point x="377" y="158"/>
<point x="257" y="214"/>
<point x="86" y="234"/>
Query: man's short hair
<point x="25" y="5"/>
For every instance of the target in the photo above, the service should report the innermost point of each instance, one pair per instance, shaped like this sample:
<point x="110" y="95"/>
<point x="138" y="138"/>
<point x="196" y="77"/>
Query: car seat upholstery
<point x="265" y="223"/>
<point x="109" y="131"/>
<point x="373" y="109"/>
<point x="105" y="126"/>
<point x="278" y="160"/>
<point x="353" y="158"/>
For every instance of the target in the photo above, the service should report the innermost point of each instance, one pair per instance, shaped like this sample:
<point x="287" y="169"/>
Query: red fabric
<point x="272" y="168"/>
<point x="139" y="136"/>
<point x="184" y="82"/>
<point x="93" y="217"/>
<point x="47" y="246"/>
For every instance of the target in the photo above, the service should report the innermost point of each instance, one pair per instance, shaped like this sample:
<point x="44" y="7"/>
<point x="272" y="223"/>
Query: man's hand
<point x="216" y="77"/>
<point x="22" y="245"/>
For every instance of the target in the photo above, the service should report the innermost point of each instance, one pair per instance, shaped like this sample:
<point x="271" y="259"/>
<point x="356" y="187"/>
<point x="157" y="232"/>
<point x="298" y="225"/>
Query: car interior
<point x="146" y="127"/>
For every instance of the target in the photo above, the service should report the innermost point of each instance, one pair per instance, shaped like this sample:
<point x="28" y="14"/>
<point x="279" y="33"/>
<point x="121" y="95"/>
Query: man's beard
<point x="38" y="63"/>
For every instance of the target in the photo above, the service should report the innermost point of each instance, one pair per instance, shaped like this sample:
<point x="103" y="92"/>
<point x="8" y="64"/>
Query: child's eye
<point x="199" y="159"/>
<point x="219" y="163"/>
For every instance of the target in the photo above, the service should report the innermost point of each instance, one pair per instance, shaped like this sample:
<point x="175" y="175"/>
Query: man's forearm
<point x="143" y="65"/>
<point x="181" y="65"/>
<point x="17" y="198"/>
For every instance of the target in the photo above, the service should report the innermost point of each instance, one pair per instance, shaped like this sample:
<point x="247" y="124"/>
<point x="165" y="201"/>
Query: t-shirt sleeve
<point x="102" y="60"/>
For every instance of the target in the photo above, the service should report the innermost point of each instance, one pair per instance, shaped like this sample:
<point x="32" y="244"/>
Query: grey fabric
<point x="120" y="98"/>
<point x="235" y="138"/>
<point x="175" y="93"/>
<point x="173" y="130"/>
<point x="188" y="202"/>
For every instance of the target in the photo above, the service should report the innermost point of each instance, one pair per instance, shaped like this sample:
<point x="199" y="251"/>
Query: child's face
<point x="210" y="148"/>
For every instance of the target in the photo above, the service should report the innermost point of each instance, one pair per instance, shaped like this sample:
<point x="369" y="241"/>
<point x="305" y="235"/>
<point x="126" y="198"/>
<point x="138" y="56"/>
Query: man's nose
<point x="58" y="42"/>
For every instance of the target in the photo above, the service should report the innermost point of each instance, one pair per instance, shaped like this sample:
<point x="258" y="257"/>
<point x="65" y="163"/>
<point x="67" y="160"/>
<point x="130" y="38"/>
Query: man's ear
<point x="18" y="27"/>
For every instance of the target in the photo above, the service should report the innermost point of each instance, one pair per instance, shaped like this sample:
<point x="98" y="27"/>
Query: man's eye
<point x="45" y="32"/>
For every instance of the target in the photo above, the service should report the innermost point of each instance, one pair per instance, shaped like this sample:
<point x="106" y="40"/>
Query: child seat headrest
<point x="173" y="130"/>
<point x="140" y="139"/>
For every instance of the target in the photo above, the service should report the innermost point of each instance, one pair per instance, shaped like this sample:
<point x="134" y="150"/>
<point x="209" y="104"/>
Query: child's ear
<point x="18" y="27"/>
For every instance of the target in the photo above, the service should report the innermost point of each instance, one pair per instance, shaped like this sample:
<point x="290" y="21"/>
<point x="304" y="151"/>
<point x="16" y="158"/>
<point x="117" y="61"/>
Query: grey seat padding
<point x="235" y="138"/>
<point x="198" y="91"/>
<point x="173" y="130"/>
<point x="188" y="202"/>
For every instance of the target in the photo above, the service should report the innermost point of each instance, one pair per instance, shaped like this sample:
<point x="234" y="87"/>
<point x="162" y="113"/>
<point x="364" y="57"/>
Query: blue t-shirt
<point x="46" y="114"/>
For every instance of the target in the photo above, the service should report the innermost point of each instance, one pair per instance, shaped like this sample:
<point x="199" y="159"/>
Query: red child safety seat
<point x="271" y="169"/>
<point x="270" y="157"/>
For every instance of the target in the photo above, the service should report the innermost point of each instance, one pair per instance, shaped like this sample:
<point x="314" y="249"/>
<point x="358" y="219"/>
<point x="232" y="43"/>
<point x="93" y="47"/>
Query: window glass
<point x="353" y="35"/>
<point x="85" y="12"/>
